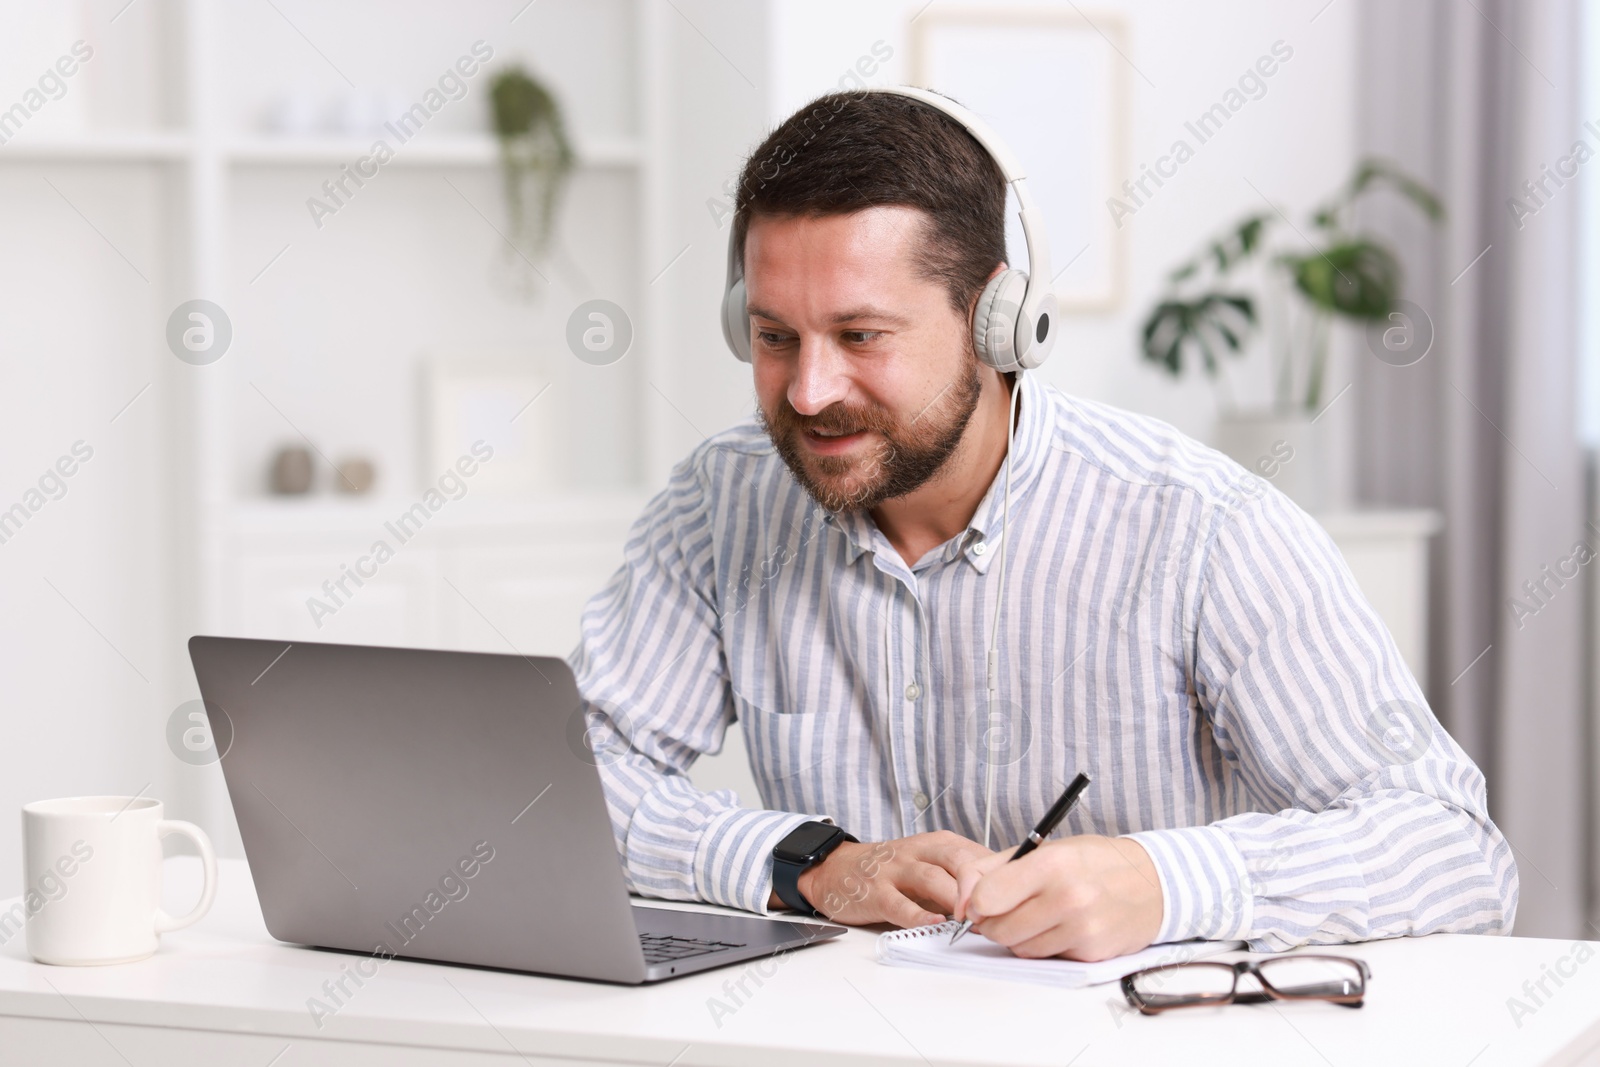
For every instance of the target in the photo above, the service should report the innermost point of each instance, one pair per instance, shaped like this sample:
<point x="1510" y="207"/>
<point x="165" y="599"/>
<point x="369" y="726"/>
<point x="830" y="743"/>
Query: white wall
<point x="718" y="108"/>
<point x="84" y="657"/>
<point x="1589" y="242"/>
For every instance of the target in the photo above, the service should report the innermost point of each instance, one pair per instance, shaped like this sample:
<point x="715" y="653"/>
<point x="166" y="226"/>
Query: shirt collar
<point x="982" y="536"/>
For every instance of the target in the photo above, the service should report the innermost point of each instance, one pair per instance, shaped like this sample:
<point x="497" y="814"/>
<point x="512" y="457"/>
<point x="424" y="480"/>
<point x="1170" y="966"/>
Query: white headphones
<point x="1013" y="324"/>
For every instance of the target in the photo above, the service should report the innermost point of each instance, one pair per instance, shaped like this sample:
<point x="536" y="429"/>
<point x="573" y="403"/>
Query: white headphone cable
<point x="992" y="668"/>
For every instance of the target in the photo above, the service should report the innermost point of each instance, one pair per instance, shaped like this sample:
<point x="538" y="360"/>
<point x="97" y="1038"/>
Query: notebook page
<point x="929" y="946"/>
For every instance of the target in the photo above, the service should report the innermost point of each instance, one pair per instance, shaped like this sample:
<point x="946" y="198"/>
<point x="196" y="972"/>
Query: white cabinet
<point x="523" y="586"/>
<point x="280" y="595"/>
<point x="490" y="578"/>
<point x="1387" y="551"/>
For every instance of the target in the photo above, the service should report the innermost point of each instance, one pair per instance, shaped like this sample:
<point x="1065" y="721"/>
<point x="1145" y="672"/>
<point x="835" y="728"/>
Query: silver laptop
<point x="441" y="806"/>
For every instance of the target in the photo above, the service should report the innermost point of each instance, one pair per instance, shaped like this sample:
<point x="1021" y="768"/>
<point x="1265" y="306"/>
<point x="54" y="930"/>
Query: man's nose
<point x="820" y="376"/>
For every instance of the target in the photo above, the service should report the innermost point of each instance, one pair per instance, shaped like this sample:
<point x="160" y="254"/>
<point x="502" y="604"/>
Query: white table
<point x="224" y="992"/>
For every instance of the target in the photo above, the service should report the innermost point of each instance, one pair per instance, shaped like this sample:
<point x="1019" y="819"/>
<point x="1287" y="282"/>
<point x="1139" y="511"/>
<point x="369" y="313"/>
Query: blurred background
<point x="277" y="275"/>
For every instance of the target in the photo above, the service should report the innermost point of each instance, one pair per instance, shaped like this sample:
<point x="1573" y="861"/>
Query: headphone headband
<point x="1014" y="322"/>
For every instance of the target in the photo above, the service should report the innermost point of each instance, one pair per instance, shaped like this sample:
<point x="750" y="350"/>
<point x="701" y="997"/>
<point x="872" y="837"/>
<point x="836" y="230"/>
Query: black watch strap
<point x="786" y="873"/>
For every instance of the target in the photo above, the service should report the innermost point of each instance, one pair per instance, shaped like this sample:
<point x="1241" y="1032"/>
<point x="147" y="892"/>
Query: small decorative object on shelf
<point x="356" y="475"/>
<point x="291" y="471"/>
<point x="535" y="160"/>
<point x="298" y="112"/>
<point x="1352" y="275"/>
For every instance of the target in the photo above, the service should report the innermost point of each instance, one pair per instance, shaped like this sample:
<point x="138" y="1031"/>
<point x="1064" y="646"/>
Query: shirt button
<point x="913" y="691"/>
<point x="920" y="800"/>
<point x="980" y="548"/>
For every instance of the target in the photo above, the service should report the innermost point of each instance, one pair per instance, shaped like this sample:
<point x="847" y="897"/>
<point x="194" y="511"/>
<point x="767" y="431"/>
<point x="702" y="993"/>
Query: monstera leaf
<point x="1356" y="277"/>
<point x="1350" y="276"/>
<point x="1227" y="251"/>
<point x="1370" y="174"/>
<point x="1214" y="323"/>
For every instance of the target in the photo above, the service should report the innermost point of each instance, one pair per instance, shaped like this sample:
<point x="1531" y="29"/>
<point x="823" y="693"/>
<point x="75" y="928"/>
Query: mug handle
<point x="166" y="923"/>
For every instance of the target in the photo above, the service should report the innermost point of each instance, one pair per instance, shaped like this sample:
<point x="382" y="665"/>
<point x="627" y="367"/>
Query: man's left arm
<point x="1373" y="821"/>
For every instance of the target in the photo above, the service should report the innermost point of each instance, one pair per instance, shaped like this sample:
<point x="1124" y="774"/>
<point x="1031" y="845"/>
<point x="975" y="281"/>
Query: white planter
<point x="1288" y="450"/>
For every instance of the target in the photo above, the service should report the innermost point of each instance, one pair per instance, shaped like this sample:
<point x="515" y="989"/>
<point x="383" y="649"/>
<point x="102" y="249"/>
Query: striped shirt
<point x="1173" y="625"/>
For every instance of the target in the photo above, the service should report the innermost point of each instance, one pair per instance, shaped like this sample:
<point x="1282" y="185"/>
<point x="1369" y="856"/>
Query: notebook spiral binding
<point x="921" y="931"/>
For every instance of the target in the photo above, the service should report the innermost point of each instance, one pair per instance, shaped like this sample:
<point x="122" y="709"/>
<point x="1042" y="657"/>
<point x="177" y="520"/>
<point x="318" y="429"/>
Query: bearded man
<point x="825" y="575"/>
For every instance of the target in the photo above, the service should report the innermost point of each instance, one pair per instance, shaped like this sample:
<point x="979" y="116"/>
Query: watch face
<point x="803" y="842"/>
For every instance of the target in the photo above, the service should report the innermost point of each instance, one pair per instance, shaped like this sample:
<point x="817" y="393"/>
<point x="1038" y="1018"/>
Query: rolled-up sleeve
<point x="1372" y="822"/>
<point x="651" y="669"/>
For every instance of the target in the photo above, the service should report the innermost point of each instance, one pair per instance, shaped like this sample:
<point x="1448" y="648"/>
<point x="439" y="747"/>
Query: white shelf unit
<point x="245" y="562"/>
<point x="444" y="150"/>
<point x="216" y="157"/>
<point x="108" y="147"/>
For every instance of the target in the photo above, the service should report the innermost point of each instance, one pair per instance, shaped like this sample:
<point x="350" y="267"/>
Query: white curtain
<point x="1477" y="98"/>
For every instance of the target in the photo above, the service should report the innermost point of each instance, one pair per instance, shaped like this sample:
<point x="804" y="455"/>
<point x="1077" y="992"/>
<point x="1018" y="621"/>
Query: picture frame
<point x="486" y="396"/>
<point x="1063" y="74"/>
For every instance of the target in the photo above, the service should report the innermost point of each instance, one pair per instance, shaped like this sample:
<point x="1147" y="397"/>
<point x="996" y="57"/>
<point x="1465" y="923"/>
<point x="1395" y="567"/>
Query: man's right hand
<point x="910" y="881"/>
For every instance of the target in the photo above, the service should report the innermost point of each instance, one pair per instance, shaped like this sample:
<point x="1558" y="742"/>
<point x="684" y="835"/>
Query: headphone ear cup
<point x="994" y="319"/>
<point x="736" y="321"/>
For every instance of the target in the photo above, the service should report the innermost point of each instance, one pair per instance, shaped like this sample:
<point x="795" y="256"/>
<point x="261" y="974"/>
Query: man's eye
<point x="859" y="337"/>
<point x="767" y="337"/>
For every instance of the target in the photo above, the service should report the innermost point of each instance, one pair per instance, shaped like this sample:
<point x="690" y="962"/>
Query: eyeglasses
<point x="1337" y="979"/>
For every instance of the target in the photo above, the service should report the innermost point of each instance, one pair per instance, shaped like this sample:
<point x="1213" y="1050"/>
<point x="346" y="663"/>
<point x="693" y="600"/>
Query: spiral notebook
<point x="929" y="946"/>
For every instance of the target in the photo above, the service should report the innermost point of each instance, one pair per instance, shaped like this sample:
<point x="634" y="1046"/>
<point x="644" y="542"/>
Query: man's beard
<point x="903" y="461"/>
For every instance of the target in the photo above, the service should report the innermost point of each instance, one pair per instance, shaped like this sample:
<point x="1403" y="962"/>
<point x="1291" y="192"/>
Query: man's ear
<point x="972" y="304"/>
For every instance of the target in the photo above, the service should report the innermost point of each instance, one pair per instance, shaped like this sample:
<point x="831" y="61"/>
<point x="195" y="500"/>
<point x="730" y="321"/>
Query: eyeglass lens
<point x="1312" y="976"/>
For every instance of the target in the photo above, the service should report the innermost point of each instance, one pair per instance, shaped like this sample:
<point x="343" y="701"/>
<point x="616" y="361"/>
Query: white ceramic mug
<point x="92" y="878"/>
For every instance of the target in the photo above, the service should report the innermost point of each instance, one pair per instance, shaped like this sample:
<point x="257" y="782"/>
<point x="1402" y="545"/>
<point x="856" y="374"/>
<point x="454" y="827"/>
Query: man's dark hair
<point x="848" y="151"/>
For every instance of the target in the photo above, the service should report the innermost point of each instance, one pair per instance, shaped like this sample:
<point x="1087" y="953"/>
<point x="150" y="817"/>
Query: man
<point x="1264" y="765"/>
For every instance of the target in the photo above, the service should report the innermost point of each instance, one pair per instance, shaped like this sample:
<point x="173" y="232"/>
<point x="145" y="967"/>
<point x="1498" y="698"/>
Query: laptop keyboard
<point x="661" y="948"/>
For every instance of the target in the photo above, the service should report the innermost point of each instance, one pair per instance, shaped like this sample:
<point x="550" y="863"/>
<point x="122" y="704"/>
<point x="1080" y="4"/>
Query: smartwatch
<point x="804" y="847"/>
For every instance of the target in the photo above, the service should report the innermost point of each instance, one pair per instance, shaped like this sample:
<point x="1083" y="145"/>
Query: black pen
<point x="1046" y="827"/>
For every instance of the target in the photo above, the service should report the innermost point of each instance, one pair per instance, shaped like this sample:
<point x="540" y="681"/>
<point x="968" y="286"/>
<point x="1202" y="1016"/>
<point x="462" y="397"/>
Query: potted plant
<point x="535" y="160"/>
<point x="1344" y="274"/>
